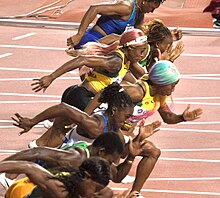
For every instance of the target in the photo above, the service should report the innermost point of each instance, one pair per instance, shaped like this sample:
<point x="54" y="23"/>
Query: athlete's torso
<point x="110" y="25"/>
<point x="148" y="105"/>
<point x="100" y="80"/>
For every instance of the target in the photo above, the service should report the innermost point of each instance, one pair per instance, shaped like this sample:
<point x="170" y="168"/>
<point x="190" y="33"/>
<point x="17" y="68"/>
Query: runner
<point x="112" y="67"/>
<point x="89" y="127"/>
<point x="67" y="182"/>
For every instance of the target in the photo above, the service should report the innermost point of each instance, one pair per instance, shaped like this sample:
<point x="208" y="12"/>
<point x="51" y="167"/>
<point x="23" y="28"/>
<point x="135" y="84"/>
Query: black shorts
<point x="77" y="96"/>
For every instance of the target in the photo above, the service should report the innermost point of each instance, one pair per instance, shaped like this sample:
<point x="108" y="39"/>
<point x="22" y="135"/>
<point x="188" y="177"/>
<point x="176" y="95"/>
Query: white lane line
<point x="198" y="123"/>
<point x="33" y="47"/>
<point x="57" y="48"/>
<point x="162" y="129"/>
<point x="197" y="98"/>
<point x="172" y="191"/>
<point x="184" y="179"/>
<point x="9" y="127"/>
<point x="53" y="96"/>
<point x="188" y="160"/>
<point x="44" y="70"/>
<point x="27" y="102"/>
<point x="30" y="79"/>
<point x="190" y="150"/>
<point x="8" y="151"/>
<point x="23" y="36"/>
<point x="46" y="101"/>
<point x="5" y="55"/>
<point x="193" y="78"/>
<point x="199" y="75"/>
<point x="25" y="69"/>
<point x="163" y="150"/>
<point x="164" y="158"/>
<point x="198" y="78"/>
<point x="190" y="130"/>
<point x="201" y="55"/>
<point x="32" y="70"/>
<point x="197" y="103"/>
<point x="182" y="123"/>
<point x="29" y="95"/>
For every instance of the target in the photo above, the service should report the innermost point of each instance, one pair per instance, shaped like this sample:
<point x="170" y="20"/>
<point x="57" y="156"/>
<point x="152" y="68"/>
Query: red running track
<point x="189" y="166"/>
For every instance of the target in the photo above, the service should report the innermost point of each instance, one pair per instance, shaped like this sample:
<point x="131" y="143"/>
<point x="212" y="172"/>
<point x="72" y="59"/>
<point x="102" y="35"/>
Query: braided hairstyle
<point x="115" y="96"/>
<point x="156" y="32"/>
<point x="95" y="168"/>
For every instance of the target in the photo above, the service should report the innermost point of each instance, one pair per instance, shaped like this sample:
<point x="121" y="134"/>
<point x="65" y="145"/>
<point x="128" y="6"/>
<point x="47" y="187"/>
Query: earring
<point x="142" y="3"/>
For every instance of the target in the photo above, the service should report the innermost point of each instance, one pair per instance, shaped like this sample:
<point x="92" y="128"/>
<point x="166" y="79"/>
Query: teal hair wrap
<point x="163" y="72"/>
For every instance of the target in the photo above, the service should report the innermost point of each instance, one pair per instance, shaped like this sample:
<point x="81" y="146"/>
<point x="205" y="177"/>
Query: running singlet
<point x="80" y="144"/>
<point x="73" y="137"/>
<point x="117" y="26"/>
<point x="99" y="81"/>
<point x="148" y="105"/>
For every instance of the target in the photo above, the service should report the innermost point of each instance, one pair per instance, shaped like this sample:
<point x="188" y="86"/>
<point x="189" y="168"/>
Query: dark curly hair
<point x="96" y="168"/>
<point x="115" y="96"/>
<point x="111" y="142"/>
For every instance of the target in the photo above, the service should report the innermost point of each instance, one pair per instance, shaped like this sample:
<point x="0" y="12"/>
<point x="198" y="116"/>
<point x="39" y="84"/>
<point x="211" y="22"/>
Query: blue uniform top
<point x="117" y="26"/>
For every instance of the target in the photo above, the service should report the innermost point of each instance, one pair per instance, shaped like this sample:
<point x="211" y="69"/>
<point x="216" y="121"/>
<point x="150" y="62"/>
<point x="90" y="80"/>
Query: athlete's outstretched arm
<point x="52" y="156"/>
<point x="170" y="117"/>
<point x="111" y="64"/>
<point x="89" y="123"/>
<point x="108" y="9"/>
<point x="37" y="174"/>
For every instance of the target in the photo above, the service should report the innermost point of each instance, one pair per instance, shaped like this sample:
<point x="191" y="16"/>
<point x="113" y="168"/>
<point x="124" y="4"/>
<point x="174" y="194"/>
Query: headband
<point x="136" y="42"/>
<point x="164" y="72"/>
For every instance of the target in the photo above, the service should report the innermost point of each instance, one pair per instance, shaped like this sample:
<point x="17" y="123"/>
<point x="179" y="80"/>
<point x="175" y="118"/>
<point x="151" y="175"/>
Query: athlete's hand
<point x="148" y="130"/>
<point x="176" y="51"/>
<point x="42" y="83"/>
<point x="73" y="40"/>
<point x="191" y="115"/>
<point x="135" y="147"/>
<point x="176" y="34"/>
<point x="23" y="123"/>
<point x="72" y="52"/>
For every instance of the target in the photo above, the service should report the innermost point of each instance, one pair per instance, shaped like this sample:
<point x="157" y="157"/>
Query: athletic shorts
<point x="89" y="36"/>
<point x="20" y="188"/>
<point x="77" y="96"/>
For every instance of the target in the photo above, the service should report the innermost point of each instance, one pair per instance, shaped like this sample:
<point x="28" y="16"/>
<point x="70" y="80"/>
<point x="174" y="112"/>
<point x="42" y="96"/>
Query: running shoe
<point x="136" y="194"/>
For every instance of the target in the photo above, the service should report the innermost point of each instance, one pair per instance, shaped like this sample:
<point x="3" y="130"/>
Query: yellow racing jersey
<point x="148" y="105"/>
<point x="100" y="80"/>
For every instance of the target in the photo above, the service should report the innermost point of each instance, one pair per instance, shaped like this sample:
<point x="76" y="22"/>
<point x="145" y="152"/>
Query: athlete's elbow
<point x="114" y="67"/>
<point x="93" y="10"/>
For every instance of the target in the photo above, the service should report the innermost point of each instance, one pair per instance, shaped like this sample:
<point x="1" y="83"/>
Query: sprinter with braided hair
<point x="160" y="38"/>
<point x="89" y="127"/>
<point x="120" y="109"/>
<point x="63" y="183"/>
<point x="111" y="65"/>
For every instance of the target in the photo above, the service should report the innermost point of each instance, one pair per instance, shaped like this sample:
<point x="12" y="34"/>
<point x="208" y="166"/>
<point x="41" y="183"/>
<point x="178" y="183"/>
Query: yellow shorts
<point x="20" y="188"/>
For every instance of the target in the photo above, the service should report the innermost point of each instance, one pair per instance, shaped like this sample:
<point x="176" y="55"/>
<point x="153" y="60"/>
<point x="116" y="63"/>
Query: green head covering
<point x="164" y="72"/>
